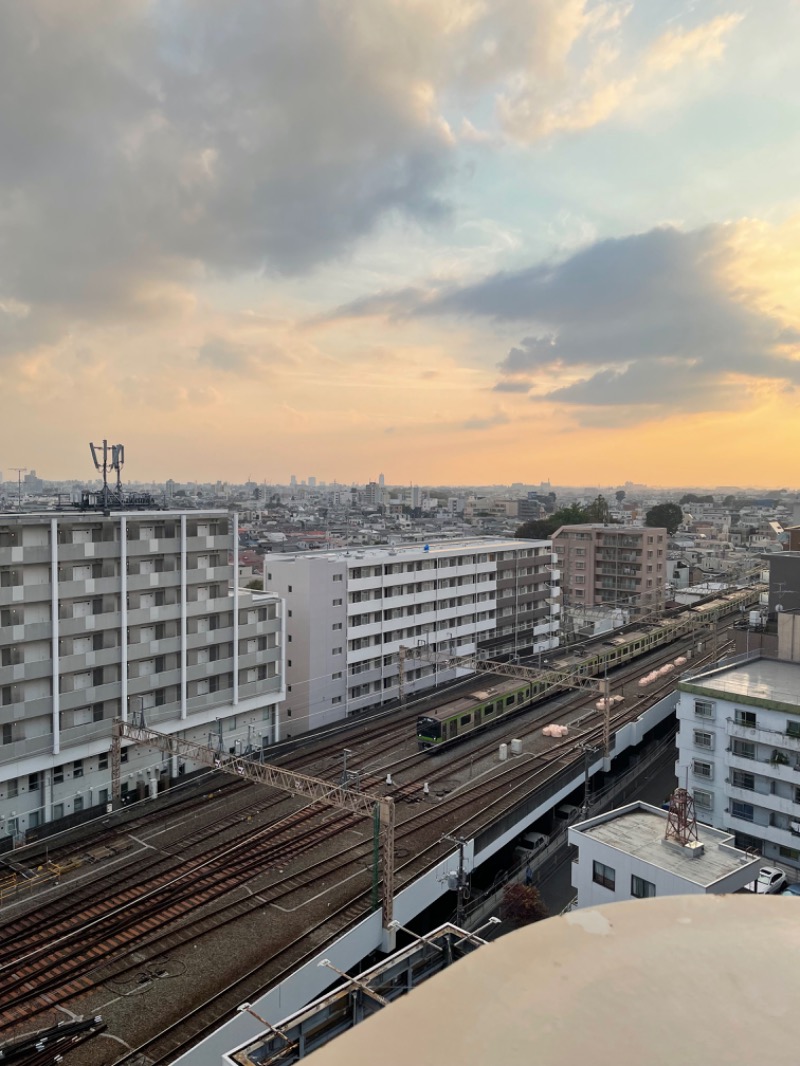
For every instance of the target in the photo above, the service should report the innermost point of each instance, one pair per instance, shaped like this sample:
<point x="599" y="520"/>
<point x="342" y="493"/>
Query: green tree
<point x="522" y="904"/>
<point x="668" y="515"/>
<point x="544" y="528"/>
<point x="598" y="511"/>
<point x="620" y="495"/>
<point x="257" y="585"/>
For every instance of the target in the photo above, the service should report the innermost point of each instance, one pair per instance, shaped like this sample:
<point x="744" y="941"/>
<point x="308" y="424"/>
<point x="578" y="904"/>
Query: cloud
<point x="512" y="386"/>
<point x="148" y="146"/>
<point x="656" y="321"/>
<point x="486" y="421"/>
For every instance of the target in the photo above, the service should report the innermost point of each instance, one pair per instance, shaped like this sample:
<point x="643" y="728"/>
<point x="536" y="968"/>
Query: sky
<point x="450" y="241"/>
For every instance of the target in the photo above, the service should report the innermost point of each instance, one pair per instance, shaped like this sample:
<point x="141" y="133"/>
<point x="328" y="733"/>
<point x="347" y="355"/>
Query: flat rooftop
<point x="638" y="830"/>
<point x="759" y="680"/>
<point x="615" y="985"/>
<point x="430" y="548"/>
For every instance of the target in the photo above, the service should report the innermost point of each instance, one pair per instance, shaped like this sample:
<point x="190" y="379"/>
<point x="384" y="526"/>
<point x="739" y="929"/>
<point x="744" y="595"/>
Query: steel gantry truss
<point x="313" y="789"/>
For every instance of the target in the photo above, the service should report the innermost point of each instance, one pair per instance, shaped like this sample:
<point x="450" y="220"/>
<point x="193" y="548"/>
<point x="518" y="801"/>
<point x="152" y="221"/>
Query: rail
<point x="314" y="789"/>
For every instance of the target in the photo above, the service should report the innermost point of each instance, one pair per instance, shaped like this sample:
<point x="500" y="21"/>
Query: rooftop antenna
<point x="19" y="471"/>
<point x="117" y="463"/>
<point x="107" y="458"/>
<point x="98" y="465"/>
<point x="681" y="820"/>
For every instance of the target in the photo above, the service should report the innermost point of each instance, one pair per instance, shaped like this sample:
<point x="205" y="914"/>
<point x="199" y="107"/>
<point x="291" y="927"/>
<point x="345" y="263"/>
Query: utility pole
<point x="20" y="470"/>
<point x="462" y="882"/>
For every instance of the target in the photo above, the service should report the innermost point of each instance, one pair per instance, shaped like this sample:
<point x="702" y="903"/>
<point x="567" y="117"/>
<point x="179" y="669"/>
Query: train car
<point x="467" y="714"/>
<point x="483" y="707"/>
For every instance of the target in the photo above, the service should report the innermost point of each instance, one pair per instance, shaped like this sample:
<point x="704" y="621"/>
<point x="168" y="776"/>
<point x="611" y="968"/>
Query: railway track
<point x="68" y="956"/>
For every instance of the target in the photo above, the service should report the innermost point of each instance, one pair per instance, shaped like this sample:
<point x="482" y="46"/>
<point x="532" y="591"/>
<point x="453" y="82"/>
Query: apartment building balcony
<point x="92" y="623"/>
<point x="89" y="587"/>
<point x="268" y="688"/>
<point x="82" y="553"/>
<point x="788" y="772"/>
<point x="776" y="738"/>
<point x="19" y="634"/>
<point x="20" y="749"/>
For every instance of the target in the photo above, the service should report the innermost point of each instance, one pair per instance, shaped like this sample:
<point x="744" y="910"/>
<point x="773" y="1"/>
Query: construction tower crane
<point x="315" y="789"/>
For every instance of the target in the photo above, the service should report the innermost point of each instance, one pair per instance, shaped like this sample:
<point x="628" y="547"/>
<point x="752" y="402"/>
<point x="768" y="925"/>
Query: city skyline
<point x="470" y="244"/>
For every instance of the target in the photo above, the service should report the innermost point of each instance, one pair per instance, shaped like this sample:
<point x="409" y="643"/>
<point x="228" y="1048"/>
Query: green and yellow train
<point x="480" y="709"/>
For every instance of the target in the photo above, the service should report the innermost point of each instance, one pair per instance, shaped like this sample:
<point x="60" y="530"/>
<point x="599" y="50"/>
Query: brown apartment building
<point x="614" y="566"/>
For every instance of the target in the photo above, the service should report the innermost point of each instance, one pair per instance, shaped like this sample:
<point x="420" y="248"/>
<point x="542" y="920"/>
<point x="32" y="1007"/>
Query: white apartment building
<point x="624" y="854"/>
<point x="349" y="612"/>
<point x="739" y="747"/>
<point x="108" y="615"/>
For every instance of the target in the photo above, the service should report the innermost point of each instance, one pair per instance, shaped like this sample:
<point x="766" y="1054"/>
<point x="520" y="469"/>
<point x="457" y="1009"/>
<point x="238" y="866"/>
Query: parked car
<point x="530" y="843"/>
<point x="769" y="881"/>
<point x="565" y="814"/>
<point x="792" y="890"/>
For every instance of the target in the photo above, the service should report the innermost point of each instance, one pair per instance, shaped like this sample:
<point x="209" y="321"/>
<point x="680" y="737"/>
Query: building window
<point x="742" y="779"/>
<point x="58" y="775"/>
<point x="12" y="787"/>
<point x="336" y="699"/>
<point x="743" y="749"/>
<point x="641" y="889"/>
<point x="336" y="676"/>
<point x="745" y="718"/>
<point x="33" y="782"/>
<point x="336" y="625"/>
<point x="77" y="768"/>
<point x="744" y="811"/>
<point x="604" y="875"/>
<point x="8" y="733"/>
<point x="703" y="709"/>
<point x="102" y="761"/>
<point x="793" y="729"/>
<point x="703" y="769"/>
<point x="336" y="651"/>
<point x="337" y="577"/>
<point x="288" y="588"/>
<point x="337" y="603"/>
<point x="703" y="799"/>
<point x="703" y="739"/>
<point x="78" y="803"/>
<point x="789" y="853"/>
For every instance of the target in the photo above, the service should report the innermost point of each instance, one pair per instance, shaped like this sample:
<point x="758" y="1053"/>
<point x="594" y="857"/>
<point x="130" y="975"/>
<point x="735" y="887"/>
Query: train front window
<point x="429" y="727"/>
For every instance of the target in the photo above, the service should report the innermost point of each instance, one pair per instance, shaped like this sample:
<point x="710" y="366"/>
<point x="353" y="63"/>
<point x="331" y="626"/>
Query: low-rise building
<point x="626" y="854"/>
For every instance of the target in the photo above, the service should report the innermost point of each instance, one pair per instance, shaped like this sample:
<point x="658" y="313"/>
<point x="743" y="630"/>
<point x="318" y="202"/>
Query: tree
<point x="544" y="528"/>
<point x="522" y="904"/>
<point x="256" y="585"/>
<point x="598" y="511"/>
<point x="620" y="495"/>
<point x="668" y="515"/>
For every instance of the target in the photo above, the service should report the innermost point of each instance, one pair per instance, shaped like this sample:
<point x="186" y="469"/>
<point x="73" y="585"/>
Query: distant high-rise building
<point x="381" y="481"/>
<point x="312" y="482"/>
<point x="293" y="481"/>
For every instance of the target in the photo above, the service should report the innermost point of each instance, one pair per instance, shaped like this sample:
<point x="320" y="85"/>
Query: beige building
<point x="613" y="566"/>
